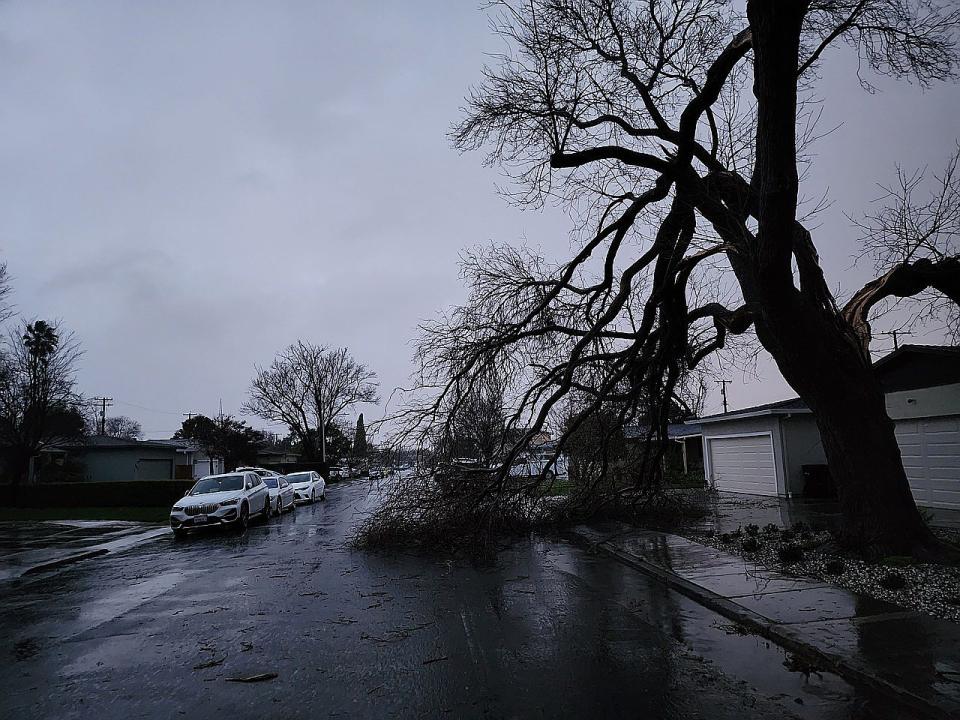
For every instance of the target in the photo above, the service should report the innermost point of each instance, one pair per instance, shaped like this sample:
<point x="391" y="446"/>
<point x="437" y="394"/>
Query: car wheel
<point x="549" y="476"/>
<point x="313" y="496"/>
<point x="323" y="495"/>
<point x="244" y="518"/>
<point x="267" y="510"/>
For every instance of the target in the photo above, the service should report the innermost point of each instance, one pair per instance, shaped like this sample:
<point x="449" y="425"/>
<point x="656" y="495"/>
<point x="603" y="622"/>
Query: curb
<point x="775" y="632"/>
<point x="51" y="564"/>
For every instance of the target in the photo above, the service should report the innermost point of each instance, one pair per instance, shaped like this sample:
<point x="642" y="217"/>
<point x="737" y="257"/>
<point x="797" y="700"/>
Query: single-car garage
<point x="762" y="450"/>
<point x="743" y="463"/>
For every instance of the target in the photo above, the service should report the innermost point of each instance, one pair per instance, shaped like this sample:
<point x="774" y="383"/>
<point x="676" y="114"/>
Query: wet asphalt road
<point x="550" y="631"/>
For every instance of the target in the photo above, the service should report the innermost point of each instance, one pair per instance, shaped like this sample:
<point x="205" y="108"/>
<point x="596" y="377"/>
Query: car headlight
<point x="176" y="508"/>
<point x="229" y="503"/>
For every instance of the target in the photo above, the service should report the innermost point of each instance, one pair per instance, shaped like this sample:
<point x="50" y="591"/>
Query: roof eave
<point x="758" y="413"/>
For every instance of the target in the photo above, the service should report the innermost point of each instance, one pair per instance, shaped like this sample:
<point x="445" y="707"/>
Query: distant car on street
<point x="281" y="493"/>
<point x="338" y="471"/>
<point x="536" y="464"/>
<point x="308" y="486"/>
<point x="214" y="500"/>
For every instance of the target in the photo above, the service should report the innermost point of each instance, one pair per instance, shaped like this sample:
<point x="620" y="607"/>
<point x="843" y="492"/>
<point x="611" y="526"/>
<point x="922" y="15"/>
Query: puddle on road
<point x="123" y="600"/>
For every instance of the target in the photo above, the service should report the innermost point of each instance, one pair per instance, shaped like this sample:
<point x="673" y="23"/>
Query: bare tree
<point x="307" y="387"/>
<point x="636" y="116"/>
<point x="914" y="241"/>
<point x="38" y="405"/>
<point x="123" y="427"/>
<point x="5" y="290"/>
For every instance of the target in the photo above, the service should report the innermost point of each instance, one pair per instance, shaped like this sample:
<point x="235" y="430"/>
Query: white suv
<point x="228" y="499"/>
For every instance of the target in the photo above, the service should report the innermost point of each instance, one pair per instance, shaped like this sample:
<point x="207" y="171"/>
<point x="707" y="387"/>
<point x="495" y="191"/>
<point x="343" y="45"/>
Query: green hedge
<point x="134" y="493"/>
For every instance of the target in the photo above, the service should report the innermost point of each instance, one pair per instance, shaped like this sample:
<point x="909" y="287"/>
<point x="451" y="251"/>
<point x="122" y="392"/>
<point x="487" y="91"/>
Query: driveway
<point x="166" y="628"/>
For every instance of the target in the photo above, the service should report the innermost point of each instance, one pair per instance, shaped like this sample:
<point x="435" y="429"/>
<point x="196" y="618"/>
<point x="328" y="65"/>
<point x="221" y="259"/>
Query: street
<point x="171" y="628"/>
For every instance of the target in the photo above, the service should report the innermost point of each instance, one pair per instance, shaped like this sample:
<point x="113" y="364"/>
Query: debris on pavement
<point x="261" y="677"/>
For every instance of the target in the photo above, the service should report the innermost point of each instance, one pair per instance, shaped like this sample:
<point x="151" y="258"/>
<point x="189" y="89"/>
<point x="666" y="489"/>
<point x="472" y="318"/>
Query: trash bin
<point x="817" y="482"/>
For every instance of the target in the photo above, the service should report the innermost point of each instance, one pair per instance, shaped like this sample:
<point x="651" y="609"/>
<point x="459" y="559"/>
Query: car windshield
<point x="298" y="478"/>
<point x="270" y="481"/>
<point x="218" y="483"/>
<point x="262" y="473"/>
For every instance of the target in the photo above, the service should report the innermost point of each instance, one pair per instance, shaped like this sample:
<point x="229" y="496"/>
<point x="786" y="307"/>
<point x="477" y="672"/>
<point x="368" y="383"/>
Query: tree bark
<point x="816" y="350"/>
<point x="829" y="372"/>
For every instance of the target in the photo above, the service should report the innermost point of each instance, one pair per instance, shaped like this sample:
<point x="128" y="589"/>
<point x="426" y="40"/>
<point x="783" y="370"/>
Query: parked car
<point x="338" y="471"/>
<point x="281" y="493"/>
<point x="214" y="500"/>
<point x="536" y="464"/>
<point x="307" y="486"/>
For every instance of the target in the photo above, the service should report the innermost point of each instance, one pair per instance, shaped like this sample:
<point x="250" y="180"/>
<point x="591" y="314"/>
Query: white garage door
<point x="931" y="456"/>
<point x="743" y="464"/>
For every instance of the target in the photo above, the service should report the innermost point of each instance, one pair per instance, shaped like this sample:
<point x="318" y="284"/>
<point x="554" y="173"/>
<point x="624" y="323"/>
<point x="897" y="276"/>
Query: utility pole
<point x="723" y="392"/>
<point x="105" y="402"/>
<point x="188" y="416"/>
<point x="894" y="334"/>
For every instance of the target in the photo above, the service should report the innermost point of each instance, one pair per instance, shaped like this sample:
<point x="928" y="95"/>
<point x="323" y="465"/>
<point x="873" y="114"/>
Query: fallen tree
<point x="638" y="116"/>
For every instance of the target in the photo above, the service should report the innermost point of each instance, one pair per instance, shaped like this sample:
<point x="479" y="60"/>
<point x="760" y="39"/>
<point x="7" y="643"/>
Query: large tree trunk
<point x="821" y="360"/>
<point x="816" y="350"/>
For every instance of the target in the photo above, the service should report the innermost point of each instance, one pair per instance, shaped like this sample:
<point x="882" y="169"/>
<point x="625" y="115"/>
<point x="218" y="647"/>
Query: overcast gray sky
<point x="192" y="185"/>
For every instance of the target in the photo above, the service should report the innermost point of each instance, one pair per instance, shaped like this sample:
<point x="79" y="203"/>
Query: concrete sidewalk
<point x="913" y="659"/>
<point x="31" y="547"/>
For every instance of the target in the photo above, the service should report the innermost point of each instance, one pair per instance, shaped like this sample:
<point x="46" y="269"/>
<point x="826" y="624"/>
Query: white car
<point x="281" y="493"/>
<point x="228" y="499"/>
<point x="307" y="486"/>
<point x="535" y="465"/>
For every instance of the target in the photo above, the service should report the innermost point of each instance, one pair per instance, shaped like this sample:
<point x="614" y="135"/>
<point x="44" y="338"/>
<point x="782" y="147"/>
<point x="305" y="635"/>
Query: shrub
<point x="751" y="544"/>
<point x="897" y="561"/>
<point x="726" y="538"/>
<point x="893" y="581"/>
<point x="800" y="527"/>
<point x="752" y="530"/>
<point x="835" y="567"/>
<point x="771" y="529"/>
<point x="790" y="553"/>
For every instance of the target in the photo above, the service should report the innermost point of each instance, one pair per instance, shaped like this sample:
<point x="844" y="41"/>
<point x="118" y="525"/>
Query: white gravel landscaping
<point x="931" y="589"/>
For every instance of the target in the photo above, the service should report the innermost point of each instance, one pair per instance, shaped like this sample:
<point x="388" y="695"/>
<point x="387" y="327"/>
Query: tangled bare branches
<point x="634" y="115"/>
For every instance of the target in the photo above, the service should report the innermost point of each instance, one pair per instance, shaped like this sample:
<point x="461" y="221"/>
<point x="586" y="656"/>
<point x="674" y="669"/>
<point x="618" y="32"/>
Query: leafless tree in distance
<point x="307" y="387"/>
<point x="123" y="427"/>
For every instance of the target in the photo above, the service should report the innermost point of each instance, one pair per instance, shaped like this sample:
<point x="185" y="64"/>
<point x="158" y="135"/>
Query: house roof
<point x="781" y="407"/>
<point x="912" y="367"/>
<point x="908" y="368"/>
<point x="674" y="430"/>
<point x="105" y="442"/>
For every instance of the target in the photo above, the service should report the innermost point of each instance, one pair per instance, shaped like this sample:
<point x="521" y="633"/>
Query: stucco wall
<point x="120" y="465"/>
<point x="924" y="402"/>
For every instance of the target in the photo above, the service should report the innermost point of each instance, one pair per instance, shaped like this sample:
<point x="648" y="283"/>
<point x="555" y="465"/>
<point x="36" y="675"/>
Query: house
<point x="110" y="459"/>
<point x="276" y="458"/>
<point x="764" y="450"/>
<point x="686" y="449"/>
<point x="193" y="462"/>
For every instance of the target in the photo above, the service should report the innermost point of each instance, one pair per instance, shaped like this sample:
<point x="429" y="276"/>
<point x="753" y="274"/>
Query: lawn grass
<point x="141" y="514"/>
